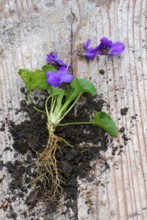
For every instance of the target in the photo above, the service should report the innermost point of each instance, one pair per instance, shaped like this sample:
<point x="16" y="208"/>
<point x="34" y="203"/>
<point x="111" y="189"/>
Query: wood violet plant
<point x="64" y="91"/>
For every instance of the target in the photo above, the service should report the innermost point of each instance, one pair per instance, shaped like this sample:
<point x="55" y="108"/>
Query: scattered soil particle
<point x="34" y="196"/>
<point x="124" y="111"/>
<point x="1" y="164"/>
<point x="7" y="149"/>
<point x="22" y="89"/>
<point x="102" y="72"/>
<point x="114" y="150"/>
<point x="121" y="146"/>
<point x="12" y="215"/>
<point x="125" y="137"/>
<point x="2" y="127"/>
<point x="122" y="129"/>
<point x="30" y="138"/>
<point x="133" y="117"/>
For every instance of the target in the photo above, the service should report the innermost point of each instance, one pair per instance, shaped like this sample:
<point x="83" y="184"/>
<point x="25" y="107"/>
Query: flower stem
<point x="69" y="107"/>
<point x="76" y="123"/>
<point x="46" y="108"/>
<point x="39" y="110"/>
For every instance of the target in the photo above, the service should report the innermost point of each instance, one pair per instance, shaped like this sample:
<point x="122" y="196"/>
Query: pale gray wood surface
<point x="29" y="29"/>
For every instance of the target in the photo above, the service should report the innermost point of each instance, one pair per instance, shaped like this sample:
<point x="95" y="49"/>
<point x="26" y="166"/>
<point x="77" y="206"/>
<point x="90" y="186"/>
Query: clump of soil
<point x="2" y="128"/>
<point x="30" y="137"/>
<point x="102" y="72"/>
<point x="124" y="111"/>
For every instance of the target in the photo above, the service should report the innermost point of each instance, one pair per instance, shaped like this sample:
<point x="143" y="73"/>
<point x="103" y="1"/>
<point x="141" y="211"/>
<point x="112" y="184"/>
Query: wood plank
<point x="29" y="29"/>
<point x="124" y="194"/>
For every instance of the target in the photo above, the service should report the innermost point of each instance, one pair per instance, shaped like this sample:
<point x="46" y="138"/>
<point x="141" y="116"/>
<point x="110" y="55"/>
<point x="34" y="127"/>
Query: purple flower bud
<point x="54" y="60"/>
<point x="107" y="47"/>
<point x="57" y="78"/>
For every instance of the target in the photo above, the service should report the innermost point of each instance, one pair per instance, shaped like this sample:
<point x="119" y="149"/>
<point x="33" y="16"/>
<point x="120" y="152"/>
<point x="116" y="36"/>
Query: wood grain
<point x="29" y="29"/>
<point x="123" y="85"/>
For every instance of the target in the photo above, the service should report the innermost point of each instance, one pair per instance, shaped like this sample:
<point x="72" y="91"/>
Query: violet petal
<point x="66" y="78"/>
<point x="54" y="80"/>
<point x="87" y="44"/>
<point x="117" y="48"/>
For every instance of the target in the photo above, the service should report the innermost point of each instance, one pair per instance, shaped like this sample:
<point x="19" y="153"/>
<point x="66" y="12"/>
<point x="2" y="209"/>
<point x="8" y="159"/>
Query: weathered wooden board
<point x="29" y="29"/>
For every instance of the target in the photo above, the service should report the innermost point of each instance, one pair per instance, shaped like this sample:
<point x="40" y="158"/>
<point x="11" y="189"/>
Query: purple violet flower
<point x="107" y="47"/>
<point x="57" y="78"/>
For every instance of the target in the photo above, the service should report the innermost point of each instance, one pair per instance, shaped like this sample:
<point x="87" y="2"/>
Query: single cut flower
<point x="57" y="78"/>
<point x="107" y="47"/>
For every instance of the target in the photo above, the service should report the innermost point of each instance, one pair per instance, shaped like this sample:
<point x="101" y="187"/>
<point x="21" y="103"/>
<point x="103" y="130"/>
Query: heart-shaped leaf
<point x="34" y="80"/>
<point x="104" y="121"/>
<point x="47" y="68"/>
<point x="83" y="86"/>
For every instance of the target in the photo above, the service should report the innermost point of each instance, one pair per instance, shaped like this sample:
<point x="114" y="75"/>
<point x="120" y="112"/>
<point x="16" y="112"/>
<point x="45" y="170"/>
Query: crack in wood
<point x="71" y="49"/>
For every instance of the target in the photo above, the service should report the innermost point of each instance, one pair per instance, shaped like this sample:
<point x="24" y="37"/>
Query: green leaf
<point x="25" y="74"/>
<point x="54" y="91"/>
<point x="83" y="86"/>
<point x="104" y="121"/>
<point x="34" y="80"/>
<point x="39" y="81"/>
<point x="47" y="68"/>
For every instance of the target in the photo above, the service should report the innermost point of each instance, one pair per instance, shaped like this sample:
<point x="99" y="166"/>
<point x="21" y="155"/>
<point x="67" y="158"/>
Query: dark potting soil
<point x="30" y="136"/>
